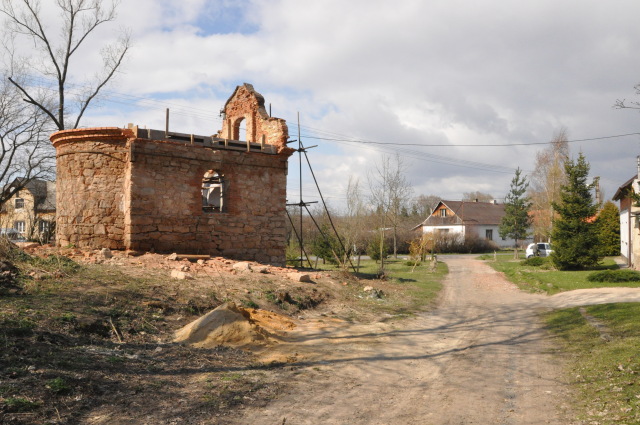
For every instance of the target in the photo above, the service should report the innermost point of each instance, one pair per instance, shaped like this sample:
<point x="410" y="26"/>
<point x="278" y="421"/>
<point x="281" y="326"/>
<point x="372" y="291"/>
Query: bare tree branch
<point x="622" y="103"/>
<point x="25" y="150"/>
<point x="80" y="19"/>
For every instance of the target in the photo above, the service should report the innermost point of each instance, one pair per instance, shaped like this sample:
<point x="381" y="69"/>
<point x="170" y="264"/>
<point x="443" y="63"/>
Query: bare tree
<point x="390" y="192"/>
<point x="354" y="227"/>
<point x="546" y="180"/>
<point x="477" y="196"/>
<point x="423" y="205"/>
<point x="26" y="152"/>
<point x="623" y="104"/>
<point x="54" y="47"/>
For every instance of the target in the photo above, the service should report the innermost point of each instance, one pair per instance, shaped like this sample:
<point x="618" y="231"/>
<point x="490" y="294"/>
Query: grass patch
<point x="405" y="289"/>
<point x="614" y="276"/>
<point x="19" y="404"/>
<point x="605" y="372"/>
<point x="544" y="278"/>
<point x="58" y="386"/>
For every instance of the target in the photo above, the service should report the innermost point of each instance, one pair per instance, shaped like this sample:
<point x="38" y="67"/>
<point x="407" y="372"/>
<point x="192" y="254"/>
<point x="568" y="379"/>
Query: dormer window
<point x="212" y="192"/>
<point x="19" y="203"/>
<point x="443" y="212"/>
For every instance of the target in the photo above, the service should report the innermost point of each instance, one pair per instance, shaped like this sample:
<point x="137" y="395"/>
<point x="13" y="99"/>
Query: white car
<point x="544" y="250"/>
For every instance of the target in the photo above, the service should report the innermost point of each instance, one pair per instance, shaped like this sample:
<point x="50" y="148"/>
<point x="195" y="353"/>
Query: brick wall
<point x="118" y="189"/>
<point x="166" y="201"/>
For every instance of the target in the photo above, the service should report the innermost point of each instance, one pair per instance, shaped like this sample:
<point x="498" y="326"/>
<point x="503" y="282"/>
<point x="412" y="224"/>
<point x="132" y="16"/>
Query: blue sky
<point x="448" y="77"/>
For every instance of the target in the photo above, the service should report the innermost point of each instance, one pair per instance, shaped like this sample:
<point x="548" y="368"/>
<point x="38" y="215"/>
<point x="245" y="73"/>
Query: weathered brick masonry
<point x="146" y="190"/>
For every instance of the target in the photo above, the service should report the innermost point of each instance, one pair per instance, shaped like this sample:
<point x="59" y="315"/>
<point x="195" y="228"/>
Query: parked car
<point x="543" y="250"/>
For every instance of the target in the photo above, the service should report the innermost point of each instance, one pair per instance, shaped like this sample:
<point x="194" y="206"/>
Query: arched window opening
<point x="236" y="129"/>
<point x="213" y="192"/>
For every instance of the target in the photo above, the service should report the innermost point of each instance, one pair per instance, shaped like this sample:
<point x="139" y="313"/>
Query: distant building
<point x="468" y="219"/>
<point x="30" y="212"/>
<point x="629" y="219"/>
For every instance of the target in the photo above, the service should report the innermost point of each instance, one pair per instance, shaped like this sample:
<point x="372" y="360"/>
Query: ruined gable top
<point x="251" y="91"/>
<point x="245" y="118"/>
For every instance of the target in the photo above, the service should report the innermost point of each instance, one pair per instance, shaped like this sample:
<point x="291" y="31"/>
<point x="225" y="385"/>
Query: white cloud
<point x="431" y="72"/>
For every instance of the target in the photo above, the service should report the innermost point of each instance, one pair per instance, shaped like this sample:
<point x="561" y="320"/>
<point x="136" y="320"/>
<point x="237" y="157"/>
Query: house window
<point x="19" y="203"/>
<point x="213" y="192"/>
<point x="443" y="212"/>
<point x="19" y="226"/>
<point x="442" y="231"/>
<point x="43" y="226"/>
<point x="489" y="234"/>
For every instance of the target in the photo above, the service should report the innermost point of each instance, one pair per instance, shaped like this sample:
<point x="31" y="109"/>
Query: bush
<point x="614" y="276"/>
<point x="373" y="250"/>
<point x="534" y="261"/>
<point x="455" y="243"/>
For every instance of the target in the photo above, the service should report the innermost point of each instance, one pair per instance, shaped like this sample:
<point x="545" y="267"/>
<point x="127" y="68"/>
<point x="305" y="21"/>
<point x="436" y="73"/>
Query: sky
<point x="464" y="92"/>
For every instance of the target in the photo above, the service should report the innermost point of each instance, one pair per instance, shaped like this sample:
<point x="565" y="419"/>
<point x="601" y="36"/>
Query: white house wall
<point x="480" y="231"/>
<point x="449" y="229"/>
<point x="624" y="233"/>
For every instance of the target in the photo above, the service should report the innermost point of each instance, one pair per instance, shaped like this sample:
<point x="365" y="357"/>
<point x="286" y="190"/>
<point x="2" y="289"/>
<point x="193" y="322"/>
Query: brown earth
<point x="94" y="345"/>
<point x="323" y="354"/>
<point x="481" y="357"/>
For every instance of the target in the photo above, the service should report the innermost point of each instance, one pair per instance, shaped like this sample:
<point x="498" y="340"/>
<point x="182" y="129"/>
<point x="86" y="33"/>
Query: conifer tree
<point x="608" y="223"/>
<point x="575" y="234"/>
<point x="516" y="221"/>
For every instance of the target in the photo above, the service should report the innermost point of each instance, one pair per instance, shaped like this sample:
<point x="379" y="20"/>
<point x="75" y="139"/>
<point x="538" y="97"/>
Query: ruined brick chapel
<point x="154" y="190"/>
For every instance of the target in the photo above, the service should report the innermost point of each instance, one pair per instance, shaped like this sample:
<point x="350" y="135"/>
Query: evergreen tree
<point x="325" y="245"/>
<point x="516" y="221"/>
<point x="608" y="223"/>
<point x="575" y="234"/>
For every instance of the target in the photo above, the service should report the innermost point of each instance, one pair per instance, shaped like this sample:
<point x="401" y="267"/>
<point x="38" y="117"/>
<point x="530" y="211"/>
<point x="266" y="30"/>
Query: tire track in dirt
<point x="481" y="357"/>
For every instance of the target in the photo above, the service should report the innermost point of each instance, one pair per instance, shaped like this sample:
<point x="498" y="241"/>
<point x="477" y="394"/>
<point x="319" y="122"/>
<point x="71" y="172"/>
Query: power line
<point x="395" y="147"/>
<point x="467" y="145"/>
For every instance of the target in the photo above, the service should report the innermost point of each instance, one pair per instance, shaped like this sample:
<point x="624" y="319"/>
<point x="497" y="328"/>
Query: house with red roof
<point x="469" y="219"/>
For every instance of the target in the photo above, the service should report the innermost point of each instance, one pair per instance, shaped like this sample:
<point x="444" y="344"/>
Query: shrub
<point x="455" y="243"/>
<point x="373" y="250"/>
<point x="614" y="276"/>
<point x="534" y="261"/>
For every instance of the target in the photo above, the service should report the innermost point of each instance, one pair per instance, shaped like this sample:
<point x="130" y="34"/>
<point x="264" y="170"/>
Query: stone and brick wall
<point x="119" y="190"/>
<point x="246" y="107"/>
<point x="166" y="201"/>
<point x="90" y="199"/>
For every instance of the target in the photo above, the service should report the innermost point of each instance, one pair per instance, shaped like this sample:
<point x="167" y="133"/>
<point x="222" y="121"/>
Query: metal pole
<point x="300" y="161"/>
<point x="166" y="123"/>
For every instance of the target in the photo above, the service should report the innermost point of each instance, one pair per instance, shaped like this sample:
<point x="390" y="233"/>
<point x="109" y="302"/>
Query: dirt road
<point x="481" y="357"/>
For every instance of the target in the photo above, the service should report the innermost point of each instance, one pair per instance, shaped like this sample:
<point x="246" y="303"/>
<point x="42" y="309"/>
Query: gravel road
<point x="481" y="357"/>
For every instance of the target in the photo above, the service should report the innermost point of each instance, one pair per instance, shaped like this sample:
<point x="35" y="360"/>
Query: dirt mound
<point x="272" y="322"/>
<point x="234" y="326"/>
